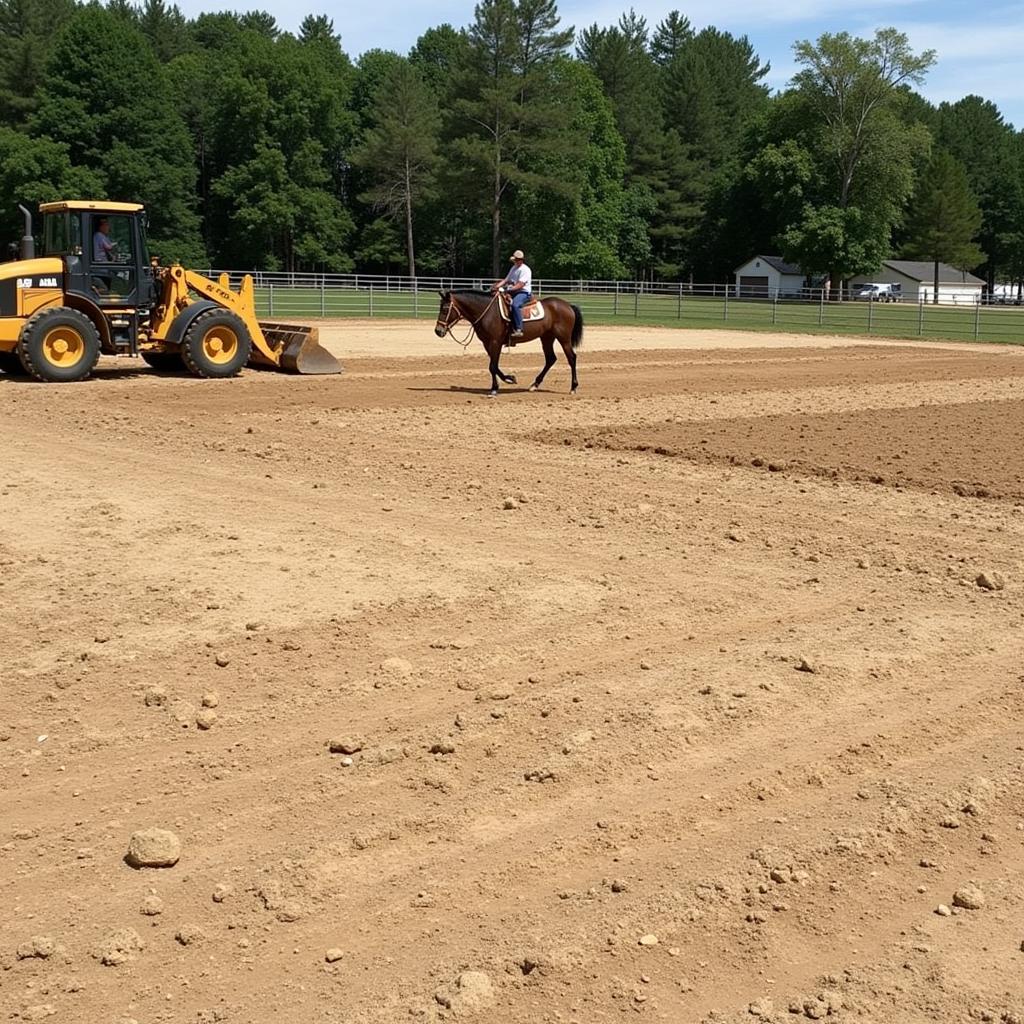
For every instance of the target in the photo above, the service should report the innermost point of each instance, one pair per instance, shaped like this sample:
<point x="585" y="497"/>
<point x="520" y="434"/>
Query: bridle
<point x="449" y="323"/>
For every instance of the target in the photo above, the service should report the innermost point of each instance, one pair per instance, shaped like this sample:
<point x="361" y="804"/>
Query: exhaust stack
<point x="28" y="245"/>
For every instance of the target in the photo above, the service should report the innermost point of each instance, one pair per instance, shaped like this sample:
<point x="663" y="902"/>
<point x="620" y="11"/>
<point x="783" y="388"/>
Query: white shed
<point x="768" y="277"/>
<point x="916" y="279"/>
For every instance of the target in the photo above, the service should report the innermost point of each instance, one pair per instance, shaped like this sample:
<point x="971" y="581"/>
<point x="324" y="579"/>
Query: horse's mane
<point x="483" y="293"/>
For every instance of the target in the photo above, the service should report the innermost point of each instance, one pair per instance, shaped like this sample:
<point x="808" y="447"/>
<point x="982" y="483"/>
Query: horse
<point x="562" y="322"/>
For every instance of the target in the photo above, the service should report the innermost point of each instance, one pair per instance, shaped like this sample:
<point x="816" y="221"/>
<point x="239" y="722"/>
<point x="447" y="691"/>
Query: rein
<point x="449" y="323"/>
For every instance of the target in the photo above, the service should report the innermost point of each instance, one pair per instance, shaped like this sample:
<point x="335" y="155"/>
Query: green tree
<point x="575" y="232"/>
<point x="280" y="133"/>
<point x="104" y="96"/>
<point x="847" y="100"/>
<point x="27" y="32"/>
<point x="658" y="165"/>
<point x="973" y="131"/>
<point x="164" y="27"/>
<point x="511" y="113"/>
<point x="399" y="150"/>
<point x="318" y="28"/>
<point x="438" y="54"/>
<point x="944" y="218"/>
<point x="37" y="170"/>
<point x="670" y="38"/>
<point x="712" y="89"/>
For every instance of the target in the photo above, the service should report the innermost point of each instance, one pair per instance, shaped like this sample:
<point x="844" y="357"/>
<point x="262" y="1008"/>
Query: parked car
<point x="880" y="292"/>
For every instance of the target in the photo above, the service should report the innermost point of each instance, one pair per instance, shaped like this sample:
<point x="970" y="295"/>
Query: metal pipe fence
<point x="964" y="316"/>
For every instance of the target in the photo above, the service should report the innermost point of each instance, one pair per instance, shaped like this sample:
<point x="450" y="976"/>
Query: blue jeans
<point x="519" y="299"/>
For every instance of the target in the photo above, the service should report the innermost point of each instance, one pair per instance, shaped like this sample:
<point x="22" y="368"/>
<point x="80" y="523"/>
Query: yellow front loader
<point x="94" y="290"/>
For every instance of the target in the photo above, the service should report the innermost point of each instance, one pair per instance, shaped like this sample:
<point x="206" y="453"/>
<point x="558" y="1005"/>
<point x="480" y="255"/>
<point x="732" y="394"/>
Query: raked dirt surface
<point x="698" y="696"/>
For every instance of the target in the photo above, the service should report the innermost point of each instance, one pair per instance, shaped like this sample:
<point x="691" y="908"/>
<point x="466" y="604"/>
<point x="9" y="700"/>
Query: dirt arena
<point x="696" y="697"/>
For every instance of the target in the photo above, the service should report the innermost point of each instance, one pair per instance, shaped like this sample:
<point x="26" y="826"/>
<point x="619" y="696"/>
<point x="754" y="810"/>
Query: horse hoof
<point x="492" y="394"/>
<point x="533" y="387"/>
<point x="512" y="379"/>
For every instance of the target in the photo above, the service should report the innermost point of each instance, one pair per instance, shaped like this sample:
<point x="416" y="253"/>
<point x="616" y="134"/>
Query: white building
<point x="917" y="281"/>
<point x="768" y="277"/>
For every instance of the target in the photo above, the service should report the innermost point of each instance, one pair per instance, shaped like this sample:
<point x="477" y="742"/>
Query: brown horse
<point x="562" y="322"/>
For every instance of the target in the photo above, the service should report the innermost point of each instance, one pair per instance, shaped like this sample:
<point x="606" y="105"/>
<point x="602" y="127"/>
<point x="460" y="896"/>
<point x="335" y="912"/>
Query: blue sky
<point x="980" y="45"/>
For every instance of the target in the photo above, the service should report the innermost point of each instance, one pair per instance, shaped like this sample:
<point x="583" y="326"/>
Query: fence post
<point x="821" y="307"/>
<point x="636" y="301"/>
<point x="371" y="298"/>
<point x="323" y="296"/>
<point x="679" y="302"/>
<point x="615" y="305"/>
<point x="920" y="314"/>
<point x="725" y="306"/>
<point x="871" y="302"/>
<point x="415" y="296"/>
<point x="270" y="299"/>
<point x="775" y="307"/>
<point x="977" y="319"/>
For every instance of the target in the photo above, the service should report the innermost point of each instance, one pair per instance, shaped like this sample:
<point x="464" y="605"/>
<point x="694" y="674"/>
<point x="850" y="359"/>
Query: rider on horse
<point x="517" y="283"/>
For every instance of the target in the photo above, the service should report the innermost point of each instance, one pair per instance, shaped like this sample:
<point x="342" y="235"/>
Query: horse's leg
<point x="494" y="350"/>
<point x="570" y="355"/>
<point x="548" y="341"/>
<point x="496" y="370"/>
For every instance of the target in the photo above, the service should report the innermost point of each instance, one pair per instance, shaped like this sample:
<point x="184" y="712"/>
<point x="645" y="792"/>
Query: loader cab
<point x="104" y="249"/>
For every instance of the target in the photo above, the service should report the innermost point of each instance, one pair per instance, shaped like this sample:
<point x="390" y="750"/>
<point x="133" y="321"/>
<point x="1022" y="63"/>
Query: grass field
<point x="886" y="320"/>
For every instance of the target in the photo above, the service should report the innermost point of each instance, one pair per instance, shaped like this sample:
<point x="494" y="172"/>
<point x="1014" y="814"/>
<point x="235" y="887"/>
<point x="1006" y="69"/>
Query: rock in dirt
<point x="332" y="956"/>
<point x="210" y="699"/>
<point x="222" y="661"/>
<point x="345" y="745"/>
<point x="396" y="666"/>
<point x="118" y="947"/>
<point x="183" y="712"/>
<point x="442" y="747"/>
<point x="509" y="504"/>
<point x="155" y="697"/>
<point x="153" y="848"/>
<point x="990" y="580"/>
<point x="648" y="940"/>
<point x="206" y="718"/>
<point x="39" y="947"/>
<point x="472" y="992"/>
<point x="222" y="891"/>
<point x="151" y="905"/>
<point x="189" y="935"/>
<point x="942" y="910"/>
<point x="763" y="1007"/>
<point x="970" y="897"/>
<point x="804" y="665"/>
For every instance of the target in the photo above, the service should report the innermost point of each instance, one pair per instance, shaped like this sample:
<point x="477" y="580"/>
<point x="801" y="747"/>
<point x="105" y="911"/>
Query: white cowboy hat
<point x="517" y="255"/>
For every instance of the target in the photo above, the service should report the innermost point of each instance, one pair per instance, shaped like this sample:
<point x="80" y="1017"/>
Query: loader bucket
<point x="299" y="348"/>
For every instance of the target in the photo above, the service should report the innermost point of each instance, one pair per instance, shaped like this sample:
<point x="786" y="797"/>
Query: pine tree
<point x="670" y="36"/>
<point x="944" y="218"/>
<point x="399" y="150"/>
<point x="511" y="115"/>
<point x="27" y="31"/>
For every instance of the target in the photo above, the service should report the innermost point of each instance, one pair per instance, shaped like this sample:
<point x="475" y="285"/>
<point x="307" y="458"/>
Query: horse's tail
<point x="577" y="329"/>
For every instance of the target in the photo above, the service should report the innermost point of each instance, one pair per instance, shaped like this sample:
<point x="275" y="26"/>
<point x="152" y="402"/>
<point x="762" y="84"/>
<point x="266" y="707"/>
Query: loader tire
<point x="11" y="364"/>
<point x="59" y="345"/>
<point x="216" y="344"/>
<point x="167" y="361"/>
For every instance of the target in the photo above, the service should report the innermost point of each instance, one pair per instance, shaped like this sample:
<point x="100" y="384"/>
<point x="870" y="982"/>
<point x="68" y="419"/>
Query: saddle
<point x="533" y="310"/>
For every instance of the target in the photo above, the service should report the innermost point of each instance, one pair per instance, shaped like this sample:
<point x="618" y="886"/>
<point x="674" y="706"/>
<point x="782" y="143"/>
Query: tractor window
<point x="112" y="258"/>
<point x="55" y="234"/>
